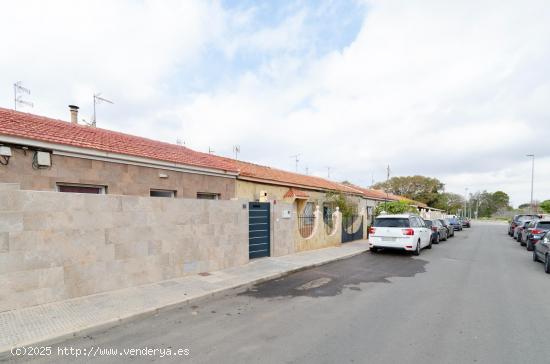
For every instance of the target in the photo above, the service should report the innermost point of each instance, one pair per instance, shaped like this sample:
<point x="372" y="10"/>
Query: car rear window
<point x="453" y="221"/>
<point x="391" y="222"/>
<point x="428" y="223"/>
<point x="544" y="225"/>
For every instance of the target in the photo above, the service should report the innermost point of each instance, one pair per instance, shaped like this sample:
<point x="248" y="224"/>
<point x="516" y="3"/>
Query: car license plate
<point x="385" y="238"/>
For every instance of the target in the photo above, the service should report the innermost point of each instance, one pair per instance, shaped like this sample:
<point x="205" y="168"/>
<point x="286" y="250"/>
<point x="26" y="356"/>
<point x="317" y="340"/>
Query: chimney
<point x="74" y="113"/>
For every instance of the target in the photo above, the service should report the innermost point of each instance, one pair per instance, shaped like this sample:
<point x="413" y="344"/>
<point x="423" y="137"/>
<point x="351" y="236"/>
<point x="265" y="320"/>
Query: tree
<point x="394" y="207"/>
<point x="545" y="206"/>
<point x="500" y="200"/>
<point x="524" y="206"/>
<point x="418" y="188"/>
<point x="450" y="202"/>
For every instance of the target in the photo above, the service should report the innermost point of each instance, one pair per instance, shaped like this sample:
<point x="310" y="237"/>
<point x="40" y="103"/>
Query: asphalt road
<point x="477" y="298"/>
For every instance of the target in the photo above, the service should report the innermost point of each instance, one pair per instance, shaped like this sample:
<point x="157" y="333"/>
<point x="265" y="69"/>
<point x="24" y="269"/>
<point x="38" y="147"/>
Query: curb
<point x="5" y="352"/>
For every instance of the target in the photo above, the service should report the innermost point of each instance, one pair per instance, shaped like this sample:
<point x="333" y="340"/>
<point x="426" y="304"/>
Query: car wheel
<point x="446" y="237"/>
<point x="437" y="239"/>
<point x="429" y="245"/>
<point x="547" y="264"/>
<point x="529" y="245"/>
<point x="521" y="242"/>
<point x="417" y="250"/>
<point x="535" y="257"/>
<point x="373" y="250"/>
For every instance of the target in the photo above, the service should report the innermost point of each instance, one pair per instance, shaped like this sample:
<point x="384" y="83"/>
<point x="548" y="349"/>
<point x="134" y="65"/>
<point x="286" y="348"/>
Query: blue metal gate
<point x="258" y="229"/>
<point x="352" y="228"/>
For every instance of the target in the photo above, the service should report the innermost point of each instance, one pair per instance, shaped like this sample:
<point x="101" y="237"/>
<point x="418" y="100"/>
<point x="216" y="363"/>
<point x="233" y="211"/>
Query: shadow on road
<point x="331" y="279"/>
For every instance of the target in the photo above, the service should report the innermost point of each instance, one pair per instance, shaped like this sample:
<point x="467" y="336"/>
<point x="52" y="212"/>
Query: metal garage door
<point x="258" y="229"/>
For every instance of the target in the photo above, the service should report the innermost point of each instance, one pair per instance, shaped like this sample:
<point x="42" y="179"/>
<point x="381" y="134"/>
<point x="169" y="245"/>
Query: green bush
<point x="395" y="207"/>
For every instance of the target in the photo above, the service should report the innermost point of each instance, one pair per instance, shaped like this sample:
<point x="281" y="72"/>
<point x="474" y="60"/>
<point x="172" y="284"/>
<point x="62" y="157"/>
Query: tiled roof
<point x="373" y="194"/>
<point x="292" y="192"/>
<point x="381" y="195"/>
<point x="278" y="176"/>
<point x="29" y="126"/>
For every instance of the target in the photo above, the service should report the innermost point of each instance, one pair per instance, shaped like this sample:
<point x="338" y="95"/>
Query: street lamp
<point x="465" y="202"/>
<point x="532" y="178"/>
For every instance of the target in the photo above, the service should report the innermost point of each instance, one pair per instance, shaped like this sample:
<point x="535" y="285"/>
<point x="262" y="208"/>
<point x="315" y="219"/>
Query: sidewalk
<point x="57" y="321"/>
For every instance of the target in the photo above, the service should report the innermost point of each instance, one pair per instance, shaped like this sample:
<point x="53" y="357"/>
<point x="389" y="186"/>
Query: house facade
<point x="45" y="154"/>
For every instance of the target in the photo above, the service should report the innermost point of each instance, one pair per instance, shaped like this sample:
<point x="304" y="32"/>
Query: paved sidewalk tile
<point x="60" y="320"/>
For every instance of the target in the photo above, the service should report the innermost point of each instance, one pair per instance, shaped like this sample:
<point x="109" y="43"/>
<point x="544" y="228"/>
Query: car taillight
<point x="408" y="232"/>
<point x="434" y="228"/>
<point x="537" y="231"/>
<point x="372" y="230"/>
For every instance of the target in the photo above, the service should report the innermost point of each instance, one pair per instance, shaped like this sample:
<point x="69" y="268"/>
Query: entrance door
<point x="258" y="229"/>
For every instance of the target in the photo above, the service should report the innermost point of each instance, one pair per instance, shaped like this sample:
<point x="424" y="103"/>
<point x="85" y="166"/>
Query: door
<point x="258" y="229"/>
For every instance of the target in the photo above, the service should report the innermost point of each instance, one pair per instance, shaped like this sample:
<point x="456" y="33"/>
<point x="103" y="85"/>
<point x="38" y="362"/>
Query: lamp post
<point x="532" y="179"/>
<point x="465" y="202"/>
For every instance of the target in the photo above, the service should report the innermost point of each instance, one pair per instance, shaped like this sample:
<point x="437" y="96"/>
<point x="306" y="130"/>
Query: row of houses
<point x="85" y="210"/>
<point x="54" y="155"/>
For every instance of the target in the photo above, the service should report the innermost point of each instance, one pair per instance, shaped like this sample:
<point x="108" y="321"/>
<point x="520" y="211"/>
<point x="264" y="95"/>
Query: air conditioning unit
<point x="263" y="196"/>
<point x="43" y="159"/>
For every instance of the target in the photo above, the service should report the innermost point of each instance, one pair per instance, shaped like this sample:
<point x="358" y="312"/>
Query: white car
<point x="406" y="232"/>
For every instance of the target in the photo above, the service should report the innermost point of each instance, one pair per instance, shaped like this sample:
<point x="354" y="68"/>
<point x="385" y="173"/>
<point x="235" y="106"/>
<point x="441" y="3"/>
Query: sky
<point x="457" y="90"/>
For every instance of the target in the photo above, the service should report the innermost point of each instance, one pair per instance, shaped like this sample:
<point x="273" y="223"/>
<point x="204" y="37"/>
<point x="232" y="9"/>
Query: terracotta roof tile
<point x="29" y="126"/>
<point x="278" y="176"/>
<point x="292" y="192"/>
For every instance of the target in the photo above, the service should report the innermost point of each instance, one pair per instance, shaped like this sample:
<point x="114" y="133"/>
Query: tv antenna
<point x="236" y="150"/>
<point x="18" y="92"/>
<point x="328" y="172"/>
<point x="98" y="100"/>
<point x="296" y="160"/>
<point x="210" y="150"/>
<point x="179" y="141"/>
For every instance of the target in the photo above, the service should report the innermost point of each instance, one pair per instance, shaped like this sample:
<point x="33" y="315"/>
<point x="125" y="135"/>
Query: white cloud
<point x="456" y="90"/>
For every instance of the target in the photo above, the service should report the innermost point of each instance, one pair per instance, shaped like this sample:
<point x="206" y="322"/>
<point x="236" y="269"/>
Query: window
<point x="208" y="196"/>
<point x="391" y="222"/>
<point x="78" y="188"/>
<point x="162" y="193"/>
<point x="430" y="223"/>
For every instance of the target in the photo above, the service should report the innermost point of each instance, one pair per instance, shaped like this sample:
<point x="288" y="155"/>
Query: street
<point x="477" y="297"/>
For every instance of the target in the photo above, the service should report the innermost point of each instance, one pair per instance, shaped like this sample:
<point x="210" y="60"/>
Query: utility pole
<point x="328" y="172"/>
<point x="387" y="186"/>
<point x="532" y="179"/>
<point x="465" y="202"/>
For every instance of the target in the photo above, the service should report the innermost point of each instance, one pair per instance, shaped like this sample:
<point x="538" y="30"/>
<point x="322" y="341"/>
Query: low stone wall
<point x="320" y="237"/>
<point x="55" y="246"/>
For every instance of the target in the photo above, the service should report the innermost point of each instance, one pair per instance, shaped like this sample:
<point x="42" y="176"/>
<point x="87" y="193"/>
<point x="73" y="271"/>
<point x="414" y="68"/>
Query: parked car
<point x="534" y="232"/>
<point x="455" y="223"/>
<point x="517" y="219"/>
<point x="519" y="228"/>
<point x="448" y="226"/>
<point x="465" y="222"/>
<point x="541" y="252"/>
<point x="439" y="232"/>
<point x="405" y="232"/>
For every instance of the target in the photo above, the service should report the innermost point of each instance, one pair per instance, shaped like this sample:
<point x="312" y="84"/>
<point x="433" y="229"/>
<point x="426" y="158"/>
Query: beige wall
<point x="55" y="246"/>
<point x="120" y="179"/>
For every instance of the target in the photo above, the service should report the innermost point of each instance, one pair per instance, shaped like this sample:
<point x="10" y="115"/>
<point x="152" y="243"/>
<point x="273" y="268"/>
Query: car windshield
<point x="391" y="222"/>
<point x="544" y="225"/>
